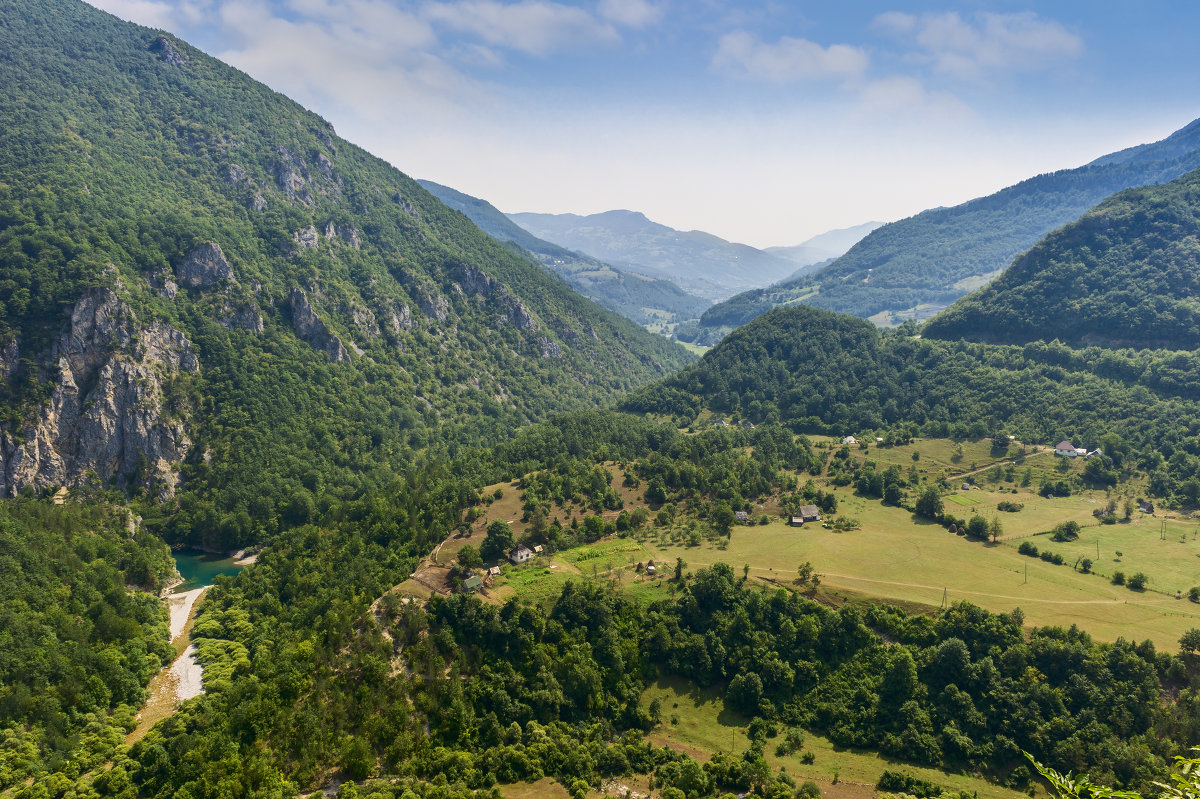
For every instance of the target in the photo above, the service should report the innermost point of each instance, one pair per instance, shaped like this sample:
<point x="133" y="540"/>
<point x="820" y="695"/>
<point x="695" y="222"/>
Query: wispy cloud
<point x="984" y="46"/>
<point x="788" y="60"/>
<point x="630" y="13"/>
<point x="535" y="27"/>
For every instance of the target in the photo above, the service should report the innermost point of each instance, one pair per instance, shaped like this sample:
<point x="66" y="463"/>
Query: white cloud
<point x="630" y="13"/>
<point x="988" y="44"/>
<point x="536" y="27"/>
<point x="150" y="13"/>
<point x="788" y="60"/>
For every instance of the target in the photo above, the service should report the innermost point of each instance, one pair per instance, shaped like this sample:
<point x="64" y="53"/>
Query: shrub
<point x="1138" y="582"/>
<point x="1009" y="507"/>
<point x="1027" y="548"/>
<point x="1118" y="578"/>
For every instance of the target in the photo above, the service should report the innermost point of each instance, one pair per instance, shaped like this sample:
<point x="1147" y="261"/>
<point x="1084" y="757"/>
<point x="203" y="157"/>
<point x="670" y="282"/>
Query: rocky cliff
<point x="107" y="419"/>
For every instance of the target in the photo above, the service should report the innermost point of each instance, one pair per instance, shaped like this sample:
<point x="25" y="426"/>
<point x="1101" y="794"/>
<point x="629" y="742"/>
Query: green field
<point x="1166" y="551"/>
<point x="695" y="721"/>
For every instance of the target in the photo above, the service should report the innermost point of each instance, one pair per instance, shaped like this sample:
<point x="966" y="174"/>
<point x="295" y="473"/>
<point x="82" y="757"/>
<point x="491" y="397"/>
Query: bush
<point x="1009" y="507"/>
<point x="1138" y="582"/>
<point x="1118" y="578"/>
<point x="1194" y="593"/>
<point x="1027" y="548"/>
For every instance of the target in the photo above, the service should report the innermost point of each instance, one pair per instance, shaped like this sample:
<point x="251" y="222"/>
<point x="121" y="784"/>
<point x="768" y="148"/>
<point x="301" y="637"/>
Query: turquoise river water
<point x="199" y="569"/>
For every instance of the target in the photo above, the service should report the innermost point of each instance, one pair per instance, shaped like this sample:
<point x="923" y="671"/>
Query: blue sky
<point x="762" y="122"/>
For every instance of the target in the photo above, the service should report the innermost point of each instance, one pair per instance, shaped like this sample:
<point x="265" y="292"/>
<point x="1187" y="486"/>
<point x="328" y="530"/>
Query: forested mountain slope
<point x="939" y="255"/>
<point x="1127" y="274"/>
<point x="820" y="372"/>
<point x="638" y="297"/>
<point x="203" y="286"/>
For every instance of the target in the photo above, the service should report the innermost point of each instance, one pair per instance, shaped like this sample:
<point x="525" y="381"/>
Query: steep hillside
<point x="1127" y="274"/>
<point x="638" y="297"/>
<point x="699" y="262"/>
<point x="204" y="287"/>
<point x="820" y="372"/>
<point x="914" y="267"/>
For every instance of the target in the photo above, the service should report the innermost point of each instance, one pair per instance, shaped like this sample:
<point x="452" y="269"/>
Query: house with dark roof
<point x="741" y="516"/>
<point x="521" y="554"/>
<point x="810" y="513"/>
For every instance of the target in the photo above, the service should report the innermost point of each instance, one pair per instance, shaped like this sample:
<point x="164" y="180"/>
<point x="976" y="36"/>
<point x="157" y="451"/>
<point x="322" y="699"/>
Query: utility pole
<point x="1026" y="573"/>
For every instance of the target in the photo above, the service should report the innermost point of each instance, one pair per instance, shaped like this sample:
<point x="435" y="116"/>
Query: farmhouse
<point x="521" y="554"/>
<point x="1065" y="449"/>
<point x="472" y="583"/>
<point x="741" y="516"/>
<point x="810" y="513"/>
<point x="849" y="440"/>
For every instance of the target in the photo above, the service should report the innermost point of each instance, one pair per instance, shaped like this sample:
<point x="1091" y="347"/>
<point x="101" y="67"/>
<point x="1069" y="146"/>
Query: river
<point x="182" y="679"/>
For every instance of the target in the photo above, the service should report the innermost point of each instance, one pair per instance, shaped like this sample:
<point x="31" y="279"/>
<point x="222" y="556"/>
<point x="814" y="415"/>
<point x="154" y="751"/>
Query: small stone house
<point x="521" y="554"/>
<point x="741" y="516"/>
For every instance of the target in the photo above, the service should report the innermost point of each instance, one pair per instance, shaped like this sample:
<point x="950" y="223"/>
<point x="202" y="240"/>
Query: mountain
<point x="916" y="266"/>
<point x="211" y="300"/>
<point x="816" y="371"/>
<point x="1126" y="274"/>
<point x="824" y="246"/>
<point x="698" y="262"/>
<point x="638" y="297"/>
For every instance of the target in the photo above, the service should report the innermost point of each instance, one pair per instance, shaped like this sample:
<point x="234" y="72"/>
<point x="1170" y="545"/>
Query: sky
<point x="761" y="122"/>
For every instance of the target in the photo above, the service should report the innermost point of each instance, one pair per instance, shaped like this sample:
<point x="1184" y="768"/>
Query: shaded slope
<point x="1126" y="274"/>
<point x="638" y="297"/>
<point x="926" y="258"/>
<point x="699" y="262"/>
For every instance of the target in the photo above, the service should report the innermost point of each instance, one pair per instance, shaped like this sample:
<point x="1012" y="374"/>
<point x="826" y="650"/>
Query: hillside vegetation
<point x="1127" y="274"/>
<point x="929" y="260"/>
<point x="283" y="315"/>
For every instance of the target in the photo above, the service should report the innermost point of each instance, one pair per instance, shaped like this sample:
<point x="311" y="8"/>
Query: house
<point x="1146" y="506"/>
<point x="1065" y="449"/>
<point x="810" y="513"/>
<point x="849" y="440"/>
<point x="747" y="424"/>
<point x="741" y="516"/>
<point x="521" y="554"/>
<point x="796" y="521"/>
<point x="472" y="583"/>
<point x="720" y="423"/>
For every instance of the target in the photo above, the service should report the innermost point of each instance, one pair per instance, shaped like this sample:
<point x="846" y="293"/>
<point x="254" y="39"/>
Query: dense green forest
<point x="80" y="634"/>
<point x="347" y="370"/>
<point x="819" y="372"/>
<point x="1127" y="274"/>
<point x="412" y="330"/>
<point x="638" y="297"/>
<point x="924" y="259"/>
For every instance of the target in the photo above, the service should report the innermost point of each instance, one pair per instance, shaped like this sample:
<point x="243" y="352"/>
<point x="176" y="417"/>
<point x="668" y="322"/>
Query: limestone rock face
<point x="312" y="330"/>
<point x="106" y="415"/>
<point x="203" y="267"/>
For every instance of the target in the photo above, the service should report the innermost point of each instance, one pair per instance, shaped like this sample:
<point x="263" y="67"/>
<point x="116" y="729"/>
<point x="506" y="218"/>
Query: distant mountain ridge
<point x="914" y="267"/>
<point x="698" y="262"/>
<point x="1126" y="274"/>
<point x="932" y="258"/>
<point x="639" y="297"/>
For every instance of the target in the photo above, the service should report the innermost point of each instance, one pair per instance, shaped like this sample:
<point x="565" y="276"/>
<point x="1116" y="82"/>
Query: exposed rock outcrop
<point x="306" y="238"/>
<point x="472" y="281"/>
<point x="106" y="415"/>
<point x="169" y="52"/>
<point x="10" y="354"/>
<point x="312" y="330"/>
<point x="203" y="267"/>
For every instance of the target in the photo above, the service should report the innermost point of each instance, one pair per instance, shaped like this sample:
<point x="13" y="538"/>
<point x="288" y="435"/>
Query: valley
<point x="511" y="540"/>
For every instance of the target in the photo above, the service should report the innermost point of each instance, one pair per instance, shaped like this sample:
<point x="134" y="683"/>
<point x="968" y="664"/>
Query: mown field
<point x="896" y="557"/>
